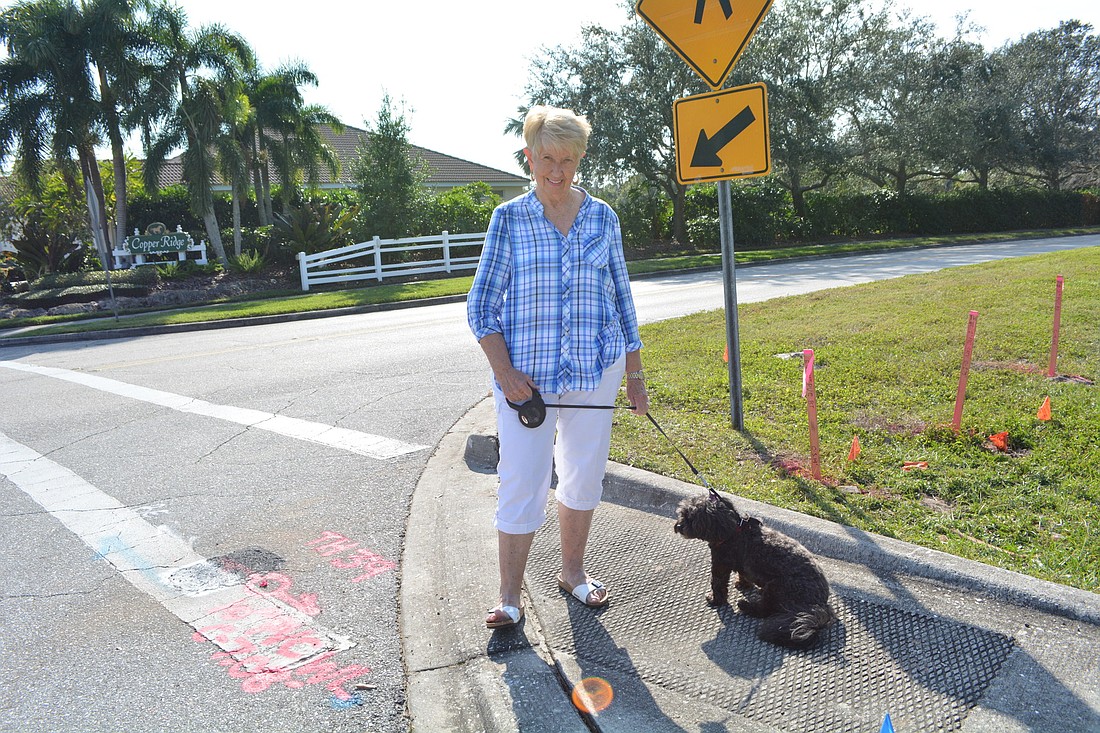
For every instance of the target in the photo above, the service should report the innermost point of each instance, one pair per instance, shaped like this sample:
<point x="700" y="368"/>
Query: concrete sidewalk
<point x="939" y="643"/>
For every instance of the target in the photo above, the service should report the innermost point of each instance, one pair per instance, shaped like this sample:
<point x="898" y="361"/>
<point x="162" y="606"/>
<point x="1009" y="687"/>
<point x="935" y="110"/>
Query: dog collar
<point x="735" y="529"/>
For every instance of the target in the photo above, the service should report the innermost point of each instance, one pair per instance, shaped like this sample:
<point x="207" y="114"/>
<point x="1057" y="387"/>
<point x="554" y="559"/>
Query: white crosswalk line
<point x="353" y="441"/>
<point x="238" y="618"/>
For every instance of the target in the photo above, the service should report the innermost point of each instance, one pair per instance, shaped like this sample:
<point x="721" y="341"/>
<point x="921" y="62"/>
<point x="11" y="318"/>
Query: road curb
<point x="638" y="489"/>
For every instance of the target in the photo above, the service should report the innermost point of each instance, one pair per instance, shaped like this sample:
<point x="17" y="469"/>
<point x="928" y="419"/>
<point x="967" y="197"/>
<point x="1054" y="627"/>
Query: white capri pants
<point x="528" y="456"/>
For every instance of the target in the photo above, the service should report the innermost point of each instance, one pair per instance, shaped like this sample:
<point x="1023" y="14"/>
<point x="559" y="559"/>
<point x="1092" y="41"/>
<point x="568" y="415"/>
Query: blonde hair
<point x="554" y="127"/>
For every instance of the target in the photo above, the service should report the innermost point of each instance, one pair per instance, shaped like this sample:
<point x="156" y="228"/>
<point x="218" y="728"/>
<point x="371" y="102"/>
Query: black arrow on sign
<point x="706" y="150"/>
<point x="702" y="4"/>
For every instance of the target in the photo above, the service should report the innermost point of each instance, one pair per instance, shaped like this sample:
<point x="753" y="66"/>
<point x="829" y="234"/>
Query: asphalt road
<point x="203" y="531"/>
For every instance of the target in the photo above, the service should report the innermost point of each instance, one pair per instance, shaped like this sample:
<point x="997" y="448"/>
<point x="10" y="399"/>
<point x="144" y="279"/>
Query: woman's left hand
<point x="636" y="395"/>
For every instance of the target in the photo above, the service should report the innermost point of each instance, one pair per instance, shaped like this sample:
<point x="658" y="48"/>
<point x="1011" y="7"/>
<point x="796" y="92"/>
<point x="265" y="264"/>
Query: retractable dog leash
<point x="532" y="414"/>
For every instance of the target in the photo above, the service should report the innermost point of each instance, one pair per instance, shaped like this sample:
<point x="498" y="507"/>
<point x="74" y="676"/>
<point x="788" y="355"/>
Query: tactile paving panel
<point x="926" y="671"/>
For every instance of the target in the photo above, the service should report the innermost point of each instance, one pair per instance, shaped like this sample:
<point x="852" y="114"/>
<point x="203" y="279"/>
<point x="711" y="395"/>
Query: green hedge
<point x="50" y="297"/>
<point x="84" y="287"/>
<point x="762" y="214"/>
<point x="140" y="276"/>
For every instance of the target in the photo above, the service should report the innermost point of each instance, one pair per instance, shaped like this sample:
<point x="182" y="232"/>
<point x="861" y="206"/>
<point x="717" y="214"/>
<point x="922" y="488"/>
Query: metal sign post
<point x="720" y="135"/>
<point x="729" y="280"/>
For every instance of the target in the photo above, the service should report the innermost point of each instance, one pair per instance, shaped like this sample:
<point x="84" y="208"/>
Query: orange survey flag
<point x="1000" y="440"/>
<point x="853" y="453"/>
<point x="1044" y="411"/>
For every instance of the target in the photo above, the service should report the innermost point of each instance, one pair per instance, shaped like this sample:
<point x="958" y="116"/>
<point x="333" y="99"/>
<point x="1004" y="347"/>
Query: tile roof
<point x="445" y="171"/>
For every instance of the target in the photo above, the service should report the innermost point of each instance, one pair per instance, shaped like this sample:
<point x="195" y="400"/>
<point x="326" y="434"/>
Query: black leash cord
<point x="694" y="470"/>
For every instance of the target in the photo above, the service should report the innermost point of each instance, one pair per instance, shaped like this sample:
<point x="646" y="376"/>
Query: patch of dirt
<point x="937" y="504"/>
<point x="1018" y="366"/>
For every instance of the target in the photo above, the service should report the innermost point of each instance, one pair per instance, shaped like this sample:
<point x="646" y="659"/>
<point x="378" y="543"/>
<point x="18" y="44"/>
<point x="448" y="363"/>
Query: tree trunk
<point x="97" y="214"/>
<point x="264" y="199"/>
<point x="118" y="157"/>
<point x="679" y="225"/>
<point x="258" y="184"/>
<point x="236" y="220"/>
<point x="214" y="234"/>
<point x="798" y="199"/>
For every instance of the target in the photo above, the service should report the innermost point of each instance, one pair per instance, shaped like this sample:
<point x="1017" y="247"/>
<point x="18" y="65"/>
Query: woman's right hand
<point x="515" y="385"/>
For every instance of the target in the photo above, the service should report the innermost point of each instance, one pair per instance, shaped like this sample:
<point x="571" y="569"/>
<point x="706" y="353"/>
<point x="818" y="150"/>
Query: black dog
<point x="779" y="577"/>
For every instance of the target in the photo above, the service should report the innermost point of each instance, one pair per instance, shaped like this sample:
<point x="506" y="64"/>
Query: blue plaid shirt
<point x="562" y="303"/>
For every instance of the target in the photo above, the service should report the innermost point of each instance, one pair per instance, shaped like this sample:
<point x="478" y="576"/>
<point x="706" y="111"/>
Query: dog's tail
<point x="796" y="630"/>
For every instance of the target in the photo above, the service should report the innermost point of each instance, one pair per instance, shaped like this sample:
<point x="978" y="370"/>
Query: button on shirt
<point x="562" y="303"/>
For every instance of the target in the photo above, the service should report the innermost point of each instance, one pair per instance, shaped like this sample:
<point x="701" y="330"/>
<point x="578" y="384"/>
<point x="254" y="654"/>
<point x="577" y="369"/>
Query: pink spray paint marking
<point x="810" y="393"/>
<point x="1052" y="366"/>
<point x="331" y="544"/>
<point x="964" y="374"/>
<point x="266" y="640"/>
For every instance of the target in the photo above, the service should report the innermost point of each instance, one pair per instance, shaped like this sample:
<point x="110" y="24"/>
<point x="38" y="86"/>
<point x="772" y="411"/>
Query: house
<point x="445" y="171"/>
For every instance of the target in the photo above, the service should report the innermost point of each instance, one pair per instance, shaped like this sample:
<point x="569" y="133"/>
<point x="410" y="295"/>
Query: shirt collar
<point x="535" y="205"/>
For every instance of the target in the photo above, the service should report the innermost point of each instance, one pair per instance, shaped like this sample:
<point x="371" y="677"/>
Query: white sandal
<point x="514" y="615"/>
<point x="584" y="590"/>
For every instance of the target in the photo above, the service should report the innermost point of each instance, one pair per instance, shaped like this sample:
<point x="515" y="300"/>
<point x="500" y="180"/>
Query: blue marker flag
<point x="887" y="726"/>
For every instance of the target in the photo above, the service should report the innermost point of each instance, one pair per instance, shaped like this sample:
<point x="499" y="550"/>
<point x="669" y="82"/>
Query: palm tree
<point x="286" y="135"/>
<point x="118" y="44"/>
<point x="195" y="120"/>
<point x="50" y="101"/>
<point x="234" y="148"/>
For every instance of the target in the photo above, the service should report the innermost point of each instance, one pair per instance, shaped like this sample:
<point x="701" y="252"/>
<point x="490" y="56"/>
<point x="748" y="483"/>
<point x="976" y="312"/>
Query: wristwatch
<point x="640" y="374"/>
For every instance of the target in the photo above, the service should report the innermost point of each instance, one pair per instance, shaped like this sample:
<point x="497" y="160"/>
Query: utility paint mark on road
<point x="148" y="557"/>
<point x="353" y="441"/>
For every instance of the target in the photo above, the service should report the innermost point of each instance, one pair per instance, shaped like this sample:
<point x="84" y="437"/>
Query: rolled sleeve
<point x="494" y="272"/>
<point x="624" y="299"/>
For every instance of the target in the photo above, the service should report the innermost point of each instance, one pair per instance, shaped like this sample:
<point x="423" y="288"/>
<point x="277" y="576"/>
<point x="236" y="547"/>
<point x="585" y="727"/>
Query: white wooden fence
<point x="318" y="268"/>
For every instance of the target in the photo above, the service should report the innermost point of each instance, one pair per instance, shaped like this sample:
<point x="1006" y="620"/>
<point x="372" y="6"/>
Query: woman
<point x="551" y="308"/>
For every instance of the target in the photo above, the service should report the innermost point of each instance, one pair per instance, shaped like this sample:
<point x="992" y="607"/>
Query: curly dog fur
<point x="782" y="582"/>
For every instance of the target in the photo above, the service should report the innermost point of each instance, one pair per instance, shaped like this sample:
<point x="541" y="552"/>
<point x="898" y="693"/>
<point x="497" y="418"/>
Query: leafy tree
<point x="815" y="60"/>
<point x="118" y="45"/>
<point x="1055" y="76"/>
<point x="50" y="101"/>
<point x="388" y="177"/>
<point x="893" y="122"/>
<point x="194" y="105"/>
<point x="624" y="82"/>
<point x="974" y="114"/>
<point x="286" y="134"/>
<point x="41" y="224"/>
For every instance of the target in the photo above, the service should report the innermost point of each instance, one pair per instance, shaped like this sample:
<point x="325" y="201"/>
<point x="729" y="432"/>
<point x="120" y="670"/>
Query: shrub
<point x="317" y="225"/>
<point x="77" y="294"/>
<point x="249" y="262"/>
<point x="462" y="210"/>
<point x="644" y="213"/>
<point x="138" y="276"/>
<point x="171" y="271"/>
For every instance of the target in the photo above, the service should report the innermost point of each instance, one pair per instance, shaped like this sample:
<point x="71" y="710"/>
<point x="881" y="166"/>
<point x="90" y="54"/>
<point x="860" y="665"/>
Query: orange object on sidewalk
<point x="855" y="450"/>
<point x="1044" y="410"/>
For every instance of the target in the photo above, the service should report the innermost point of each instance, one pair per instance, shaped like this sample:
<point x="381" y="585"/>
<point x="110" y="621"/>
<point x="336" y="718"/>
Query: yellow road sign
<point x="722" y="135"/>
<point x="708" y="34"/>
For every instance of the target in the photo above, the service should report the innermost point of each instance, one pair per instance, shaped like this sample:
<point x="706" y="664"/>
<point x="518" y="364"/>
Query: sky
<point x="459" y="68"/>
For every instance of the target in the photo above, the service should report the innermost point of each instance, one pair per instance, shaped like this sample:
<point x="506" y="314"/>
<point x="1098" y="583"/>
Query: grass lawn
<point x="281" y="302"/>
<point x="888" y="360"/>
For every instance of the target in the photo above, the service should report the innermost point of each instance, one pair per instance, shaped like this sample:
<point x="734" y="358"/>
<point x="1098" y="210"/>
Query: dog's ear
<point x="751" y="523"/>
